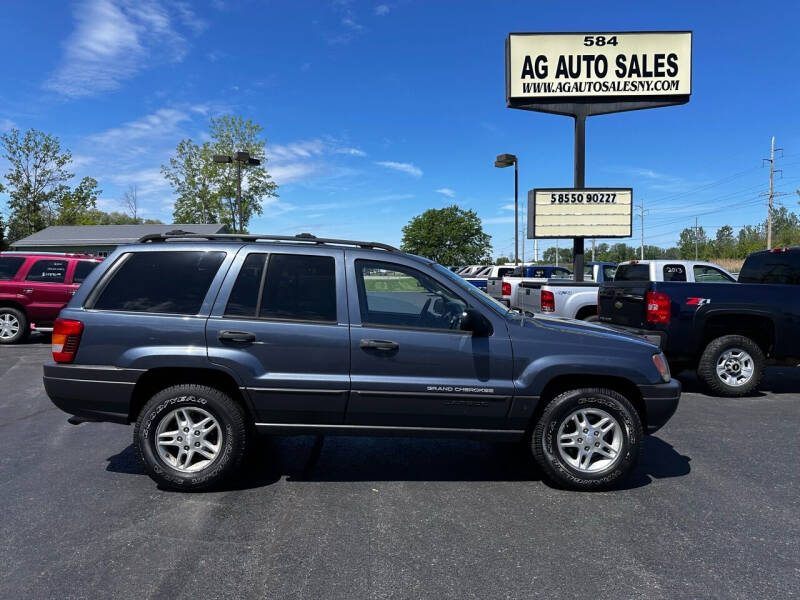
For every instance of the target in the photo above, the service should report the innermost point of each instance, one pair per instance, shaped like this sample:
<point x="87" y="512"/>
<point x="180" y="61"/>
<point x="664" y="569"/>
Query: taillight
<point x="66" y="337"/>
<point x="658" y="307"/>
<point x="548" y="301"/>
<point x="779" y="250"/>
<point x="506" y="288"/>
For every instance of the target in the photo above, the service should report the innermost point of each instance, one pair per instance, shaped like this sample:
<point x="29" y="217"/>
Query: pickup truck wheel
<point x="191" y="437"/>
<point x="731" y="365"/>
<point x="14" y="327"/>
<point x="592" y="319"/>
<point x="587" y="438"/>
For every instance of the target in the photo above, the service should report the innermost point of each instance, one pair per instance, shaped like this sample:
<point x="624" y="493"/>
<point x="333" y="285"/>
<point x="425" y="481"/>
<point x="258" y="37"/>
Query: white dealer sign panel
<point x="554" y="66"/>
<point x="590" y="212"/>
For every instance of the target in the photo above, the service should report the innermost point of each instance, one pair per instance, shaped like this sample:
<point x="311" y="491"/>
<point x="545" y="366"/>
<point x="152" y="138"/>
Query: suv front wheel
<point x="587" y="438"/>
<point x="191" y="437"/>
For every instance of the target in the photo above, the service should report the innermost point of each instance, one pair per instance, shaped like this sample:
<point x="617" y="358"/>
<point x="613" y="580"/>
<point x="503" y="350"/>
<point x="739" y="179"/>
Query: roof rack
<point x="245" y="237"/>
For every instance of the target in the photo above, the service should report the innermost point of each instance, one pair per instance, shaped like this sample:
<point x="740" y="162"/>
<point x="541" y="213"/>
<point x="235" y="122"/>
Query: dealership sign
<point x="587" y="212"/>
<point x="598" y="67"/>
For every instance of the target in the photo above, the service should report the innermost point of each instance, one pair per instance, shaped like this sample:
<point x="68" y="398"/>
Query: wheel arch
<point x="757" y="326"/>
<point x="154" y="380"/>
<point x="565" y="382"/>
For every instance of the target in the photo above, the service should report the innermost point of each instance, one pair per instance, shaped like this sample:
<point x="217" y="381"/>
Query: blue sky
<point x="376" y="111"/>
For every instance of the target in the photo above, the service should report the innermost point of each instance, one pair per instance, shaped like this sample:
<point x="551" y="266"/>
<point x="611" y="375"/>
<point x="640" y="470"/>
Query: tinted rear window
<point x="632" y="273"/>
<point x="674" y="273"/>
<point x="48" y="271"/>
<point x="82" y="270"/>
<point x="772" y="267"/>
<point x="161" y="282"/>
<point x="300" y="288"/>
<point x="9" y="265"/>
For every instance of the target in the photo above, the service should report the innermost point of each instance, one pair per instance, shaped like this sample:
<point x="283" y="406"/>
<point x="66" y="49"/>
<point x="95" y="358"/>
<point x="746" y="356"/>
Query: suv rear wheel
<point x="731" y="365"/>
<point x="14" y="326"/>
<point x="191" y="437"/>
<point x="587" y="438"/>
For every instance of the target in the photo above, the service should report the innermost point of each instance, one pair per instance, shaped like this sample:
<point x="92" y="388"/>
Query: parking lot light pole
<point x="240" y="158"/>
<point x="502" y="161"/>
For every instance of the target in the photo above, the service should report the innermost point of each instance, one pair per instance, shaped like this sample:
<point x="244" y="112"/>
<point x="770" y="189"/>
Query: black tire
<point x="233" y="428"/>
<point x="559" y="410"/>
<point x="707" y="367"/>
<point x="24" y="327"/>
<point x="592" y="318"/>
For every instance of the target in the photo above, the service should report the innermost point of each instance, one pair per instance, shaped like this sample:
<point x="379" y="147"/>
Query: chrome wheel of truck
<point x="731" y="365"/>
<point x="735" y="367"/>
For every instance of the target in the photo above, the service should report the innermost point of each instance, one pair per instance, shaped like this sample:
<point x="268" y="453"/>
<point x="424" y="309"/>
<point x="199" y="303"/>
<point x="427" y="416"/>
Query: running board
<point x="389" y="430"/>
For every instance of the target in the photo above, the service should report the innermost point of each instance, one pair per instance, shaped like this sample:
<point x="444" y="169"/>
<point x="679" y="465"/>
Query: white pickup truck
<point x="579" y="300"/>
<point x="504" y="288"/>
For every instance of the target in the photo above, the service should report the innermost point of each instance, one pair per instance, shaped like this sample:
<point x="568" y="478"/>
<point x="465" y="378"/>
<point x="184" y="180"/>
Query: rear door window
<point x="299" y="287"/>
<point x="608" y="272"/>
<point x="9" y="266"/>
<point x="674" y="273"/>
<point x="706" y="274"/>
<point x="160" y="282"/>
<point x="47" y="271"/>
<point x="82" y="270"/>
<point x="632" y="273"/>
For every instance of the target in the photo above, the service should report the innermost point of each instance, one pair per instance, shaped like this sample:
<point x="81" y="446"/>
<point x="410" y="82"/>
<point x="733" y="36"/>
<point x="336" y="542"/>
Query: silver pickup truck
<point x="504" y="288"/>
<point x="576" y="300"/>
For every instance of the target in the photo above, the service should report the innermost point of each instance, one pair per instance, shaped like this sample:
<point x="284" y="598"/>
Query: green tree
<point x="724" y="244"/>
<point x="207" y="191"/>
<point x="450" y="236"/>
<point x="75" y="206"/>
<point x="36" y="179"/>
<point x="191" y="173"/>
<point x="690" y="239"/>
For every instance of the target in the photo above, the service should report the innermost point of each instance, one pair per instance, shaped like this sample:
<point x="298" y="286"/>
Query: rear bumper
<point x="660" y="403"/>
<point x="654" y="336"/>
<point x="99" y="393"/>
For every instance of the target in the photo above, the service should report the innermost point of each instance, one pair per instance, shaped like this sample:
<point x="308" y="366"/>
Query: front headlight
<point x="662" y="366"/>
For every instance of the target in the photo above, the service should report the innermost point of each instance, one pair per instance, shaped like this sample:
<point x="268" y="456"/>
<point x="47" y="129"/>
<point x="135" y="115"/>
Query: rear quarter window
<point x="47" y="271"/>
<point x="674" y="273"/>
<point x="160" y="282"/>
<point x="632" y="273"/>
<point x="772" y="267"/>
<point x="9" y="266"/>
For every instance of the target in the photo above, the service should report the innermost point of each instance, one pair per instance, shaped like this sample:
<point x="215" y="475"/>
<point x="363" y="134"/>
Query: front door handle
<point x="236" y="336"/>
<point x="378" y="345"/>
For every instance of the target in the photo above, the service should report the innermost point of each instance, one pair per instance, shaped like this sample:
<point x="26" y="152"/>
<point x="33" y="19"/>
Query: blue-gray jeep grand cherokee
<point x="205" y="341"/>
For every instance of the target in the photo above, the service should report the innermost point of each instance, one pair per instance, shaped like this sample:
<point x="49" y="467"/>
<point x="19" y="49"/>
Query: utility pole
<point x="642" y="211"/>
<point x="556" y="252"/>
<point x="593" y="241"/>
<point x="696" y="234"/>
<point x="771" y="194"/>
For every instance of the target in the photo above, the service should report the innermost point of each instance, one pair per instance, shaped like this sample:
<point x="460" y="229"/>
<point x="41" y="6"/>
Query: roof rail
<point x="246" y="237"/>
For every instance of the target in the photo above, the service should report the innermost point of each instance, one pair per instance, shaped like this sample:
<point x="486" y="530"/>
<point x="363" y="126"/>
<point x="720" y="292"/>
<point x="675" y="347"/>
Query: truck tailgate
<point x="529" y="296"/>
<point x="494" y="287"/>
<point x="623" y="302"/>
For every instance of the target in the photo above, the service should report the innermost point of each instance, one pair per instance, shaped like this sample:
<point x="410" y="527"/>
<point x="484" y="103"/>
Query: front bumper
<point x="97" y="393"/>
<point x="660" y="403"/>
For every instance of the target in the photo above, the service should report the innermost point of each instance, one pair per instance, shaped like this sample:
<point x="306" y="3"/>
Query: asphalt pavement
<point x="710" y="512"/>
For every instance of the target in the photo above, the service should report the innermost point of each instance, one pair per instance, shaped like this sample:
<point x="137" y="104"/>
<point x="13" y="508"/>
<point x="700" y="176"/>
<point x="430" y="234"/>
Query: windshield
<point x="478" y="295"/>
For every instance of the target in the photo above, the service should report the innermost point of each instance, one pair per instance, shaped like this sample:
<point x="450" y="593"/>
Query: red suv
<point x="35" y="286"/>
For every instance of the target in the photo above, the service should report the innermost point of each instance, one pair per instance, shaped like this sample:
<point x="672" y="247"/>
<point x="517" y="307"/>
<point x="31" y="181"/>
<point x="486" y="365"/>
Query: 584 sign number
<point x="599" y="40"/>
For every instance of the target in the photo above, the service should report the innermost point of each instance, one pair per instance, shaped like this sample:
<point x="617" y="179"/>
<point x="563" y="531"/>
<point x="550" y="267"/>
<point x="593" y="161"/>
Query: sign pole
<point x="580" y="177"/>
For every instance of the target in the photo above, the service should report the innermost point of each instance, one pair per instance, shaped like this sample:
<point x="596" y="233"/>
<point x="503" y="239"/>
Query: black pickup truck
<point x="725" y="331"/>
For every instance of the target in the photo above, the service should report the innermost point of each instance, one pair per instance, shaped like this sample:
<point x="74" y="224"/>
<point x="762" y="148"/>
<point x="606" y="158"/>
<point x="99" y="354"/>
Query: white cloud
<point x="446" y="192"/>
<point x="288" y="173"/>
<point x="350" y="151"/>
<point x="401" y="166"/>
<point x="294" y="150"/>
<point x="148" y="181"/>
<point x="6" y="125"/>
<point x="163" y="122"/>
<point x="381" y="10"/>
<point x="508" y="206"/>
<point x="115" y="39"/>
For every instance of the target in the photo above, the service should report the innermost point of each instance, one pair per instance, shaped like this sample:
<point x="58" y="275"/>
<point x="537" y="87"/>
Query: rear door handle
<point x="378" y="345"/>
<point x="236" y="336"/>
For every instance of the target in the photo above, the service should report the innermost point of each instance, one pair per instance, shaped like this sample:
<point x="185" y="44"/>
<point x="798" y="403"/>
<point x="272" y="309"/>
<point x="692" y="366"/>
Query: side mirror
<point x="472" y="320"/>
